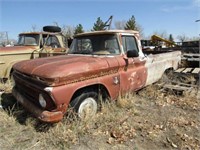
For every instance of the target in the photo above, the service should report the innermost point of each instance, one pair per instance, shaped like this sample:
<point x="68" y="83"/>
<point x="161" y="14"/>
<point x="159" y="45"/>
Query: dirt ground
<point x="159" y="122"/>
<point x="149" y="119"/>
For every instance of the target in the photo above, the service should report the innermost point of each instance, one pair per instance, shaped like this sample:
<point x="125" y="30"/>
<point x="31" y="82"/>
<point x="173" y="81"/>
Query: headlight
<point x="42" y="101"/>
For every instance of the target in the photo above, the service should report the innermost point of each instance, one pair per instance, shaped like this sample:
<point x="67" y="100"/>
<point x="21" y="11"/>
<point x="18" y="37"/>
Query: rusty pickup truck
<point x="31" y="45"/>
<point x="107" y="63"/>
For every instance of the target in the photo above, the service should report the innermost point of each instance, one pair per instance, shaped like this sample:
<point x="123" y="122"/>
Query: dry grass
<point x="6" y="87"/>
<point x="19" y="130"/>
<point x="149" y="119"/>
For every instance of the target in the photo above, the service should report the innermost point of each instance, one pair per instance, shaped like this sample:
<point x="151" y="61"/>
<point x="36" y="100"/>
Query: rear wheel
<point x="86" y="104"/>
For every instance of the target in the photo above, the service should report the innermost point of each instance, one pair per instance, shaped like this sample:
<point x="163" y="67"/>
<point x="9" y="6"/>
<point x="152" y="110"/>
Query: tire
<point x="51" y="29"/>
<point x="86" y="104"/>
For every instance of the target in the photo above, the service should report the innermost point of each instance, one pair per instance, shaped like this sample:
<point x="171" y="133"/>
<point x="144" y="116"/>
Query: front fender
<point x="9" y="68"/>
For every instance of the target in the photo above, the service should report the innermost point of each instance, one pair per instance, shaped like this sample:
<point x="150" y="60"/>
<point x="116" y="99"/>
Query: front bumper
<point x="43" y="115"/>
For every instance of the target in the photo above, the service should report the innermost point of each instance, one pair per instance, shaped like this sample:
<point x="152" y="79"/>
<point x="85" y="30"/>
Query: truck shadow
<point x="14" y="109"/>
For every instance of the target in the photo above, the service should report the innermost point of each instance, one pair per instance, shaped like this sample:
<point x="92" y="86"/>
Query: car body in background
<point x="32" y="45"/>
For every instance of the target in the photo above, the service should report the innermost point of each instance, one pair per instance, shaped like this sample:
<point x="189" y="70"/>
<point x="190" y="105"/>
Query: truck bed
<point x="148" y="52"/>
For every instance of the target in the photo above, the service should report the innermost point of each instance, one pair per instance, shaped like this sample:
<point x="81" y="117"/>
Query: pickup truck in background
<point x="107" y="63"/>
<point x="31" y="45"/>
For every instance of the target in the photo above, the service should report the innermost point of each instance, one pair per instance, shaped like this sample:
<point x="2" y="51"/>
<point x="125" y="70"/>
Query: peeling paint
<point x="61" y="76"/>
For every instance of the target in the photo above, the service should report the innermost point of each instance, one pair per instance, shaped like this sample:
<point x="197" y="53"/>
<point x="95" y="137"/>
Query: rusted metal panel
<point x="62" y="76"/>
<point x="133" y="74"/>
<point x="179" y="70"/>
<point x="187" y="70"/>
<point x="177" y="87"/>
<point x="108" y="32"/>
<point x="16" y="50"/>
<point x="41" y="114"/>
<point x="68" y="69"/>
<point x="196" y="70"/>
<point x="158" y="63"/>
<point x="191" y="57"/>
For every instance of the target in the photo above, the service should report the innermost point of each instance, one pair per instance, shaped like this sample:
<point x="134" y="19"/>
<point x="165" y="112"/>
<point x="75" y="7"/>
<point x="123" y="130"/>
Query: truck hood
<point x="17" y="49"/>
<point x="66" y="69"/>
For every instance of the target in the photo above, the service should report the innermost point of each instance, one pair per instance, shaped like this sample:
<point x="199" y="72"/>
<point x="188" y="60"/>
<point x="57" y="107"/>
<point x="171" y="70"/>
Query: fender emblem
<point x="115" y="80"/>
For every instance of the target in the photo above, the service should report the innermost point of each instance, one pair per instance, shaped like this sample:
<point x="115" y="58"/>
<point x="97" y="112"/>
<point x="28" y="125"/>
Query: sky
<point x="174" y="17"/>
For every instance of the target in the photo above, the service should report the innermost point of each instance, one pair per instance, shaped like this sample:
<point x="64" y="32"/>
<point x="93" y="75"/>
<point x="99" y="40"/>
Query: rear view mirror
<point x="132" y="53"/>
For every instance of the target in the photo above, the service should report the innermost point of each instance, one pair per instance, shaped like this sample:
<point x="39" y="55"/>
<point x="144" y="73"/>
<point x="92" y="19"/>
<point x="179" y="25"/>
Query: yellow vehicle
<point x="32" y="45"/>
<point x="159" y="41"/>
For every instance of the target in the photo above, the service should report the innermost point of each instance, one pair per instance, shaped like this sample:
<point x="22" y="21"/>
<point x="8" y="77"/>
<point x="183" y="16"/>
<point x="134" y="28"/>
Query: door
<point x="133" y="72"/>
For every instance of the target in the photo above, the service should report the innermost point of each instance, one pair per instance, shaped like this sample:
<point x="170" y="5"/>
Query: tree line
<point x="100" y="25"/>
<point x="131" y="24"/>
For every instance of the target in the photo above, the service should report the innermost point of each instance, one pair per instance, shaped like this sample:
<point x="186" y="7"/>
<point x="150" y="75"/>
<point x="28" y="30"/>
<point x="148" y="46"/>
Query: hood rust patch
<point x="67" y="69"/>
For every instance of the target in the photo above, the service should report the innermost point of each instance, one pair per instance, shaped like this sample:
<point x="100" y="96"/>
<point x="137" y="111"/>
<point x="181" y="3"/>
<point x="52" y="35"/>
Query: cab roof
<point x="107" y="32"/>
<point x="51" y="33"/>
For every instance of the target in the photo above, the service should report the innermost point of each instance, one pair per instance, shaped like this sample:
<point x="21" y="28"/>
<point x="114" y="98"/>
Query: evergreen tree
<point x="171" y="38"/>
<point x="131" y="24"/>
<point x="99" y="25"/>
<point x="78" y="29"/>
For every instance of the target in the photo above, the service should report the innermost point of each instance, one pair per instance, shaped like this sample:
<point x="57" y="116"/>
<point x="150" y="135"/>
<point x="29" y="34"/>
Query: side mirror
<point x="132" y="53"/>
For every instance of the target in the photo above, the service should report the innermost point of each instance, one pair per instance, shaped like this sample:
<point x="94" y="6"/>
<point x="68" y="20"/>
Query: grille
<point x="31" y="88"/>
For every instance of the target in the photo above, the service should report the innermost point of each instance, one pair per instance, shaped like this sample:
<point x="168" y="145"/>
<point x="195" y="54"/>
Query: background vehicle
<point x="32" y="45"/>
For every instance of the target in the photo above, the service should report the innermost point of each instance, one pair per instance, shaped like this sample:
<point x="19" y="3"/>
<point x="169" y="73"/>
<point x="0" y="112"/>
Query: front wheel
<point x="86" y="104"/>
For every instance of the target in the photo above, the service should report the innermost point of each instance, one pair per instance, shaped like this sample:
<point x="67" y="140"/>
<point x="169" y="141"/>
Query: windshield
<point x="28" y="39"/>
<point x="95" y="44"/>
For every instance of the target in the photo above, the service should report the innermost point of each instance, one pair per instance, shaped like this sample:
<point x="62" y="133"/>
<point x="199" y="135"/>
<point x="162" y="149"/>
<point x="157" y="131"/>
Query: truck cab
<point x="31" y="45"/>
<point x="102" y="63"/>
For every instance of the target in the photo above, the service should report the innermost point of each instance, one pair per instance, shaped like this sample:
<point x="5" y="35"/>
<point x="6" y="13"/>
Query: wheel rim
<point x="88" y="108"/>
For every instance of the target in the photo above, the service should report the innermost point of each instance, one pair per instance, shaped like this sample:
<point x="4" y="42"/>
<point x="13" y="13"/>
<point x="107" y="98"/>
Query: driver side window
<point x="129" y="43"/>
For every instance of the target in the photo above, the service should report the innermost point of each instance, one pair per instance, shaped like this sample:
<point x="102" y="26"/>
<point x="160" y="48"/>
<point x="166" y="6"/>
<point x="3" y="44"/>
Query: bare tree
<point x="56" y="23"/>
<point x="2" y="35"/>
<point x="120" y="24"/>
<point x="68" y="31"/>
<point x="4" y="38"/>
<point x="140" y="29"/>
<point x="162" y="34"/>
<point x="182" y="37"/>
<point x="195" y="38"/>
<point x="33" y="28"/>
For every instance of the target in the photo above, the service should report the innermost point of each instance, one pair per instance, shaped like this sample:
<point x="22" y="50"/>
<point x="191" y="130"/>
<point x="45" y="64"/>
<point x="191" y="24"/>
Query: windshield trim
<point x="23" y="36"/>
<point x="93" y="55"/>
<point x="97" y="43"/>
